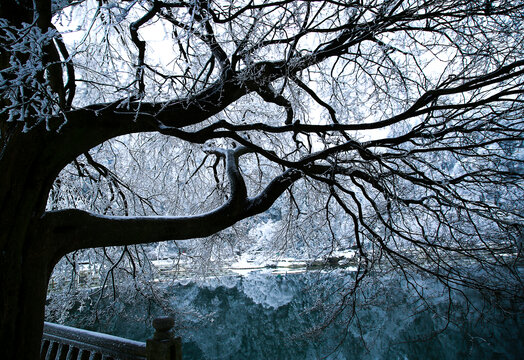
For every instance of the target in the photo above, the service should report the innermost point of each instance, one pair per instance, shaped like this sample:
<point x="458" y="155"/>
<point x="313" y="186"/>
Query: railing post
<point x="163" y="346"/>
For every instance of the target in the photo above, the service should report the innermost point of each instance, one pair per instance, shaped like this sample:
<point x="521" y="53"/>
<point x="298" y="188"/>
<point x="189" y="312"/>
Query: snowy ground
<point x="248" y="263"/>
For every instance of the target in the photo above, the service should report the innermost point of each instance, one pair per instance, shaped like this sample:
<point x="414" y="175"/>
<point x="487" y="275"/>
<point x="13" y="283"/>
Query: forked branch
<point x="77" y="229"/>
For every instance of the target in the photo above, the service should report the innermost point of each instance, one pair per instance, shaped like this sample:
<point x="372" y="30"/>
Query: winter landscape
<point x="286" y="179"/>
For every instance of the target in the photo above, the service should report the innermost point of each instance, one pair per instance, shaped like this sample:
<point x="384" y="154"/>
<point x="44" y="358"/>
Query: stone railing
<point x="61" y="342"/>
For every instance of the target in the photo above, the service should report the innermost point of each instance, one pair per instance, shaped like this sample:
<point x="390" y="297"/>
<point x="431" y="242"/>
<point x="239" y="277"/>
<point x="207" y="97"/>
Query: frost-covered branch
<point x="76" y="229"/>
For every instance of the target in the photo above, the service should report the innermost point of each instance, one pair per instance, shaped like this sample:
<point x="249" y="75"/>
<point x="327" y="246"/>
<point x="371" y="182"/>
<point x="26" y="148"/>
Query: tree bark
<point x="25" y="263"/>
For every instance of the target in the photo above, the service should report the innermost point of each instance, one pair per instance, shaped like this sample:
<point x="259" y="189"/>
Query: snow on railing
<point x="61" y="342"/>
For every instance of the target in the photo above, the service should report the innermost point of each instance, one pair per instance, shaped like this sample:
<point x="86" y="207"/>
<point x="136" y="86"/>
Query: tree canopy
<point x="392" y="126"/>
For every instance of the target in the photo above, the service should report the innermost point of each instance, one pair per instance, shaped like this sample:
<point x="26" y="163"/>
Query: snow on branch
<point x="24" y="82"/>
<point x="78" y="229"/>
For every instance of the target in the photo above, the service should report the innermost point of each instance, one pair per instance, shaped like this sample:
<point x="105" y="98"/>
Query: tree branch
<point x="71" y="229"/>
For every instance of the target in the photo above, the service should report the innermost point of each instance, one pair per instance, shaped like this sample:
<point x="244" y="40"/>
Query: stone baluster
<point x="163" y="346"/>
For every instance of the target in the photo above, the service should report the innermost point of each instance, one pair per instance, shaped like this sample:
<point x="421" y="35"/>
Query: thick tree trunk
<point x="24" y="285"/>
<point x="24" y="270"/>
<point x="25" y="260"/>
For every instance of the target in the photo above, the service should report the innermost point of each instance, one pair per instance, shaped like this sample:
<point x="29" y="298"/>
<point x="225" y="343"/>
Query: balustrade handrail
<point x="74" y="341"/>
<point x="60" y="342"/>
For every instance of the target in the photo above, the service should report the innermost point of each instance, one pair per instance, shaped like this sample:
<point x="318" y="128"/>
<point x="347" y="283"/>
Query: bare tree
<point x="406" y="116"/>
